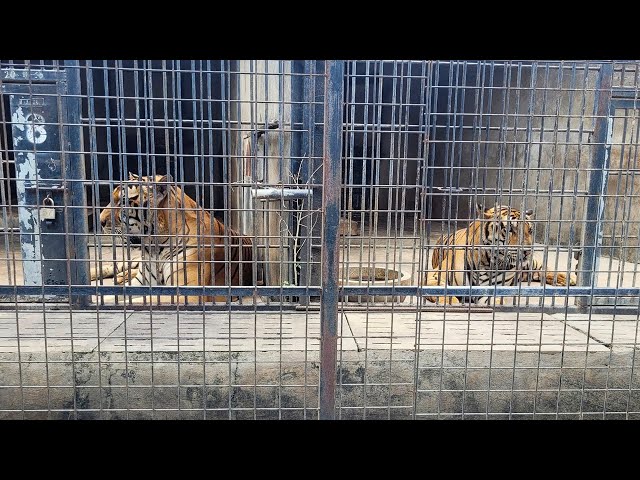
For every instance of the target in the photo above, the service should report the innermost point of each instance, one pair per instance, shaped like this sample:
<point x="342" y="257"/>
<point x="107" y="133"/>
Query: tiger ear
<point x="133" y="176"/>
<point x="528" y="213"/>
<point x="486" y="212"/>
<point x="163" y="187"/>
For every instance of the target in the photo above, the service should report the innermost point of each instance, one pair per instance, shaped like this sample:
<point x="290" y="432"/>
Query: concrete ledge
<point x="450" y="384"/>
<point x="266" y="365"/>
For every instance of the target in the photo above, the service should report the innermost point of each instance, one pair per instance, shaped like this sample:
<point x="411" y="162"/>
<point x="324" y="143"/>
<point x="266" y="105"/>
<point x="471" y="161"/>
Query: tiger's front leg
<point x="558" y="278"/>
<point x="450" y="272"/>
<point x="137" y="280"/>
<point x="438" y="278"/>
<point x="105" y="270"/>
<point x="127" y="276"/>
<point x="551" y="277"/>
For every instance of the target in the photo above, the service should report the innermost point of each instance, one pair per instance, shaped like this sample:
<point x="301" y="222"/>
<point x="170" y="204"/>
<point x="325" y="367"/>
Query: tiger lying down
<point x="180" y="242"/>
<point x="495" y="249"/>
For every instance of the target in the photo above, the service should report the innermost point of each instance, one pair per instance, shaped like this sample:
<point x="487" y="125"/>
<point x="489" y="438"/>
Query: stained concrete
<point x="400" y="365"/>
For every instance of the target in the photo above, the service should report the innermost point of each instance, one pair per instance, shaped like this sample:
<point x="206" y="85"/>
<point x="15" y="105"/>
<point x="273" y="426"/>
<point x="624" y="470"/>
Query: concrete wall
<point x="555" y="159"/>
<point x="451" y="384"/>
<point x="622" y="212"/>
<point x="515" y="134"/>
<point x="524" y="137"/>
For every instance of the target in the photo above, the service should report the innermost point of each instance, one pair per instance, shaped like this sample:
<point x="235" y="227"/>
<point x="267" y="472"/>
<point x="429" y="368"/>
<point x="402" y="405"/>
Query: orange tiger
<point x="495" y="249"/>
<point x="180" y="241"/>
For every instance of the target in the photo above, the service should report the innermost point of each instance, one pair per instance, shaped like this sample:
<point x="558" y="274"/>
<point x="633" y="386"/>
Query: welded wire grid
<point x="422" y="144"/>
<point x="427" y="141"/>
<point x="222" y="131"/>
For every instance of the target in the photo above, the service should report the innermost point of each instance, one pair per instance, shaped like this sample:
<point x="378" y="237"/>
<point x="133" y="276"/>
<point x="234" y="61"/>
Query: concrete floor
<point x="144" y="331"/>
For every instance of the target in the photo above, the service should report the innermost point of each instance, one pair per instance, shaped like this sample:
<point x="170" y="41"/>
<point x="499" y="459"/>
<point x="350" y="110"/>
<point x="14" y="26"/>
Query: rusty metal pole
<point x="331" y="179"/>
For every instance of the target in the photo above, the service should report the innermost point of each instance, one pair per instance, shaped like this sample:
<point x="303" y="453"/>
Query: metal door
<point x="46" y="136"/>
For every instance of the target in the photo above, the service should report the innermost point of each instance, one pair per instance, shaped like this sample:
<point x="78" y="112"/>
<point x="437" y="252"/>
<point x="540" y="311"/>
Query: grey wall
<point x="517" y="134"/>
<point x="529" y="147"/>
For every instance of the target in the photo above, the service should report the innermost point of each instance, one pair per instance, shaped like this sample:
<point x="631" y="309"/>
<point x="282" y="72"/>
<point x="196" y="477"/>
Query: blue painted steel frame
<point x="528" y="291"/>
<point x="72" y="147"/>
<point x="592" y="233"/>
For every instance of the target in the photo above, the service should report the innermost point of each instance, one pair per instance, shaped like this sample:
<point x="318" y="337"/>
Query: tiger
<point x="495" y="249"/>
<point x="179" y="240"/>
<point x="119" y="270"/>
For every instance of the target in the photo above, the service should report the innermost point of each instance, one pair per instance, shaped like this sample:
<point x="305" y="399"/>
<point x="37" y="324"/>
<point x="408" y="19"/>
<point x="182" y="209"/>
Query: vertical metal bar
<point x="296" y="95"/>
<point x="97" y="239"/>
<point x="331" y="176"/>
<point x="484" y="159"/>
<point x="75" y="174"/>
<point x="10" y="241"/>
<point x="306" y="140"/>
<point x="423" y="227"/>
<point x="592" y="233"/>
<point x="311" y="146"/>
<point x="627" y="141"/>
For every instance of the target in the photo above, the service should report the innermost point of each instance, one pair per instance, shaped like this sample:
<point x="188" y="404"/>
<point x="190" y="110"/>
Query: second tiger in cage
<point x="495" y="249"/>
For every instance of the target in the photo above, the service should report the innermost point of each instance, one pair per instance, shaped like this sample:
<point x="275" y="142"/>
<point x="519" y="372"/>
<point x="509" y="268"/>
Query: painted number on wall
<point x="32" y="125"/>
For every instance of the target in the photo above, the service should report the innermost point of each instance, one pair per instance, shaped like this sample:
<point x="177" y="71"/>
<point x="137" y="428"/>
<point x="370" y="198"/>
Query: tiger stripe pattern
<point x="180" y="242"/>
<point x="495" y="249"/>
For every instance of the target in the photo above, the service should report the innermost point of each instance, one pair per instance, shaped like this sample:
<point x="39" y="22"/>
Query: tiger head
<point x="142" y="197"/>
<point x="508" y="232"/>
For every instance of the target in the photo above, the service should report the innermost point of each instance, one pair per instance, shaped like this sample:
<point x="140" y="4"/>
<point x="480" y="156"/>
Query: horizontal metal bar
<point x="281" y="193"/>
<point x="44" y="185"/>
<point x="625" y="103"/>
<point x="511" y="191"/>
<point x="99" y="306"/>
<point x="523" y="291"/>
<point x="156" y="290"/>
<point x="625" y="92"/>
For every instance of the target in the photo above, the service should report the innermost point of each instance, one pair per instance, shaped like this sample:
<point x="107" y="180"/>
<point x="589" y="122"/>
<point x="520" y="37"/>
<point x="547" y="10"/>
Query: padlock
<point x="47" y="212"/>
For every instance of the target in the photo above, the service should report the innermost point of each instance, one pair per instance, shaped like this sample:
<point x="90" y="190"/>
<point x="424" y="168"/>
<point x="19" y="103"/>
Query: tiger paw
<point x="444" y="300"/>
<point x="126" y="276"/>
<point x="560" y="279"/>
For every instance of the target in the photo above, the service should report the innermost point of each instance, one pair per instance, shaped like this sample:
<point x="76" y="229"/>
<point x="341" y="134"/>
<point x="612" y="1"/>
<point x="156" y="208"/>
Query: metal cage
<point x="319" y="239"/>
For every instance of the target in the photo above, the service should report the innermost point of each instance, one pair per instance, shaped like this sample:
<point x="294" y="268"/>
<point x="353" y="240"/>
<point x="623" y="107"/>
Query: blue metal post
<point x="75" y="176"/>
<point x="331" y="176"/>
<point x="297" y="97"/>
<point x="592" y="233"/>
<point x="311" y="148"/>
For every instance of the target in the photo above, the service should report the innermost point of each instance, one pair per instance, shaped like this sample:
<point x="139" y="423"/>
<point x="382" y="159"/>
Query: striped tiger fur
<point x="181" y="243"/>
<point x="495" y="249"/>
<point x="120" y="270"/>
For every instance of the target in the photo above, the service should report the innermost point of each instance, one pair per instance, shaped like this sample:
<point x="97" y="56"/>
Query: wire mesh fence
<point x="311" y="239"/>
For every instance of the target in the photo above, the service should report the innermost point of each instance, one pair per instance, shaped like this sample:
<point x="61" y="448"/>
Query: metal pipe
<point x="266" y="194"/>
